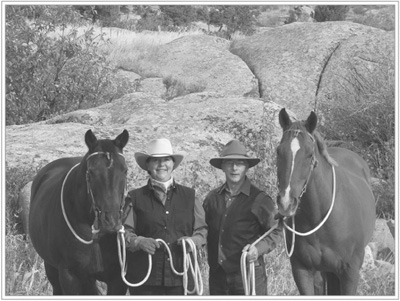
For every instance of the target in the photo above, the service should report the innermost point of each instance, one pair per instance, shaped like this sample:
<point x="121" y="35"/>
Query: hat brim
<point x="217" y="162"/>
<point x="141" y="159"/>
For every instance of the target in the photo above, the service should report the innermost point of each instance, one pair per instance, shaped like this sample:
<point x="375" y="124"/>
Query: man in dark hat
<point x="237" y="214"/>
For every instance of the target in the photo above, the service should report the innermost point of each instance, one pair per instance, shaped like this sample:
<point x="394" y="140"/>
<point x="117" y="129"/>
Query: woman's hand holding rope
<point x="150" y="245"/>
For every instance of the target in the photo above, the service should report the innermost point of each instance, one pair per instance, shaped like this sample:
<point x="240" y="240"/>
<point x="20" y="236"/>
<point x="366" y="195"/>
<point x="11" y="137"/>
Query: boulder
<point x="198" y="124"/>
<point x="289" y="61"/>
<point x="205" y="64"/>
<point x="368" y="263"/>
<point x="362" y="60"/>
<point x="384" y="240"/>
<point x="154" y="86"/>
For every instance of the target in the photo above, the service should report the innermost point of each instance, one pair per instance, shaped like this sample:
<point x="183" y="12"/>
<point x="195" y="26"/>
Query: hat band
<point x="161" y="155"/>
<point x="236" y="155"/>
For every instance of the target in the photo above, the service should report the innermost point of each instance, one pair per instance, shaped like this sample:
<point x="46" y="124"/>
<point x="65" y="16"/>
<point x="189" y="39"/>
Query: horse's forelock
<point x="322" y="147"/>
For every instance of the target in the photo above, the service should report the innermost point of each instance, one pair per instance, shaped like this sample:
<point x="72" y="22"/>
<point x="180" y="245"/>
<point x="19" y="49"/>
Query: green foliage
<point x="178" y="87"/>
<point x="362" y="114"/>
<point x="177" y="15"/>
<point x="48" y="75"/>
<point x="234" y="18"/>
<point x="324" y="13"/>
<point x="384" y="18"/>
<point x="16" y="179"/>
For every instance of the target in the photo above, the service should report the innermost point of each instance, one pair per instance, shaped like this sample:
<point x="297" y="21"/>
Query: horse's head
<point x="106" y="172"/>
<point x="295" y="161"/>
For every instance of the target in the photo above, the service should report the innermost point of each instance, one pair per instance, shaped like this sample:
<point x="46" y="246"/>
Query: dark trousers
<point x="156" y="290"/>
<point x="222" y="283"/>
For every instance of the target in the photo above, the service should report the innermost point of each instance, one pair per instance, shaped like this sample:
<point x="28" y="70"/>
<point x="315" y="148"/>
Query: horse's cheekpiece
<point x="72" y="200"/>
<point x="331" y="226"/>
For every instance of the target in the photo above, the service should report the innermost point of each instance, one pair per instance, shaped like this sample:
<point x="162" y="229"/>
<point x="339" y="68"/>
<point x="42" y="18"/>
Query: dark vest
<point x="168" y="222"/>
<point x="233" y="228"/>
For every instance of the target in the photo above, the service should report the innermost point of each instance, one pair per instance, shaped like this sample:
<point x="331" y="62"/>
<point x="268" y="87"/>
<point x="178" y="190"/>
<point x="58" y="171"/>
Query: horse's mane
<point x="322" y="147"/>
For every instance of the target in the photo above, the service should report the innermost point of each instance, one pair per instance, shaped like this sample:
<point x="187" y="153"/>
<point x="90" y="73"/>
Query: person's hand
<point x="252" y="253"/>
<point x="180" y="242"/>
<point x="147" y="244"/>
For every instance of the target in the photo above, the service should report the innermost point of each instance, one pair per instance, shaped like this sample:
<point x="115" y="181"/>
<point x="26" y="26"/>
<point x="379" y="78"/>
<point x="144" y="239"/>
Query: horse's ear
<point x="122" y="139"/>
<point x="284" y="119"/>
<point x="90" y="139"/>
<point x="311" y="122"/>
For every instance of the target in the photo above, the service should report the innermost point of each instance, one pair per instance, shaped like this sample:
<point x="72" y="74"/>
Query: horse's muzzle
<point x="287" y="206"/>
<point x="110" y="222"/>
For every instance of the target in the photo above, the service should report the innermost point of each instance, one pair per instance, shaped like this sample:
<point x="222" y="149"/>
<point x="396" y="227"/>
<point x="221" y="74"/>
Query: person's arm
<point x="199" y="236"/>
<point x="264" y="209"/>
<point x="200" y="230"/>
<point x="133" y="241"/>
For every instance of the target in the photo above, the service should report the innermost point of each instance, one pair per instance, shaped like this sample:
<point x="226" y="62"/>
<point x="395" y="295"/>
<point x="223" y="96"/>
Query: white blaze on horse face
<point x="294" y="147"/>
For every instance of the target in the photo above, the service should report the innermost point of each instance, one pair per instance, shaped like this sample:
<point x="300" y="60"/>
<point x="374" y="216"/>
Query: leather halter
<point x="89" y="190"/>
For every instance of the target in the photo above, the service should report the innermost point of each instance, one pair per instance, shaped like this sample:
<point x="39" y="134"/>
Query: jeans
<point x="222" y="283"/>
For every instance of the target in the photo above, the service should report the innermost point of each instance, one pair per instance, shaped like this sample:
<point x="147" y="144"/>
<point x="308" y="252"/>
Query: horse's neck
<point x="317" y="199"/>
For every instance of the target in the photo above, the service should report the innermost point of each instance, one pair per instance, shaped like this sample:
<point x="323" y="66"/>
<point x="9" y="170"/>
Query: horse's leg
<point x="116" y="287"/>
<point x="319" y="283"/>
<point x="304" y="278"/>
<point x="90" y="287"/>
<point x="333" y="283"/>
<point x="349" y="282"/>
<point x="52" y="275"/>
<point x="70" y="283"/>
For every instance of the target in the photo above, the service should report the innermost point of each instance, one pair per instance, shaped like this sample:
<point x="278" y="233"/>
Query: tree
<point x="325" y="13"/>
<point x="49" y="72"/>
<point x="177" y="15"/>
<point x="234" y="17"/>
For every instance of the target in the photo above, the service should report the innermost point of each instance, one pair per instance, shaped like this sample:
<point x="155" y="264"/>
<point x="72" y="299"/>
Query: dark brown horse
<point x="72" y="201"/>
<point x="325" y="196"/>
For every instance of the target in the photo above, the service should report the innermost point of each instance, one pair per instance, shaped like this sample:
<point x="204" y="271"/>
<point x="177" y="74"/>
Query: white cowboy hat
<point x="158" y="148"/>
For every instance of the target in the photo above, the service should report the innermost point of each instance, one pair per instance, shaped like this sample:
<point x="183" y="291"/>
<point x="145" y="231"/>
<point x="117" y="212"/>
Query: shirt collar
<point x="245" y="188"/>
<point x="168" y="185"/>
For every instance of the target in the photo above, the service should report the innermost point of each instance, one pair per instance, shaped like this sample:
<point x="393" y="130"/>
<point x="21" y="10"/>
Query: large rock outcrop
<point x="199" y="124"/>
<point x="203" y="63"/>
<point x="290" y="61"/>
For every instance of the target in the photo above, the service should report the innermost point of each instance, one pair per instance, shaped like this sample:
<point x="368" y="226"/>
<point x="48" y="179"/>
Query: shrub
<point x="178" y="87"/>
<point x="362" y="114"/>
<point x="384" y="18"/>
<point x="16" y="179"/>
<point x="325" y="13"/>
<point x="47" y="75"/>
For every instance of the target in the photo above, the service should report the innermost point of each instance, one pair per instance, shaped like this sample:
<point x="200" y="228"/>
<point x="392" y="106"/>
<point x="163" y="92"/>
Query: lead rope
<point x="87" y="242"/>
<point x="316" y="228"/>
<point x="248" y="274"/>
<point x="187" y="264"/>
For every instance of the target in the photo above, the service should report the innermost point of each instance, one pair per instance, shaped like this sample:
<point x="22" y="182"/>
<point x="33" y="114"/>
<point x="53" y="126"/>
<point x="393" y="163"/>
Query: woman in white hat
<point x="161" y="209"/>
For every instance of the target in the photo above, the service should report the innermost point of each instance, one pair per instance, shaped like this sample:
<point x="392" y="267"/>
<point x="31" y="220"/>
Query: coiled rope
<point x="248" y="273"/>
<point x="187" y="264"/>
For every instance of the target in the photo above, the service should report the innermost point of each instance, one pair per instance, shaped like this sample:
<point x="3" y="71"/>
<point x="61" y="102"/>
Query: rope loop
<point x="190" y="262"/>
<point x="248" y="273"/>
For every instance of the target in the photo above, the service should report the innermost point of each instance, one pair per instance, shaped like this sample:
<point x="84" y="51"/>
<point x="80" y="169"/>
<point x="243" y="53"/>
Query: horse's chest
<point x="317" y="256"/>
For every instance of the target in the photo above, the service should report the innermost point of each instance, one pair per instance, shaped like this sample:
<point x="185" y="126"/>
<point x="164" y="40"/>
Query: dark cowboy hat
<point x="234" y="150"/>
